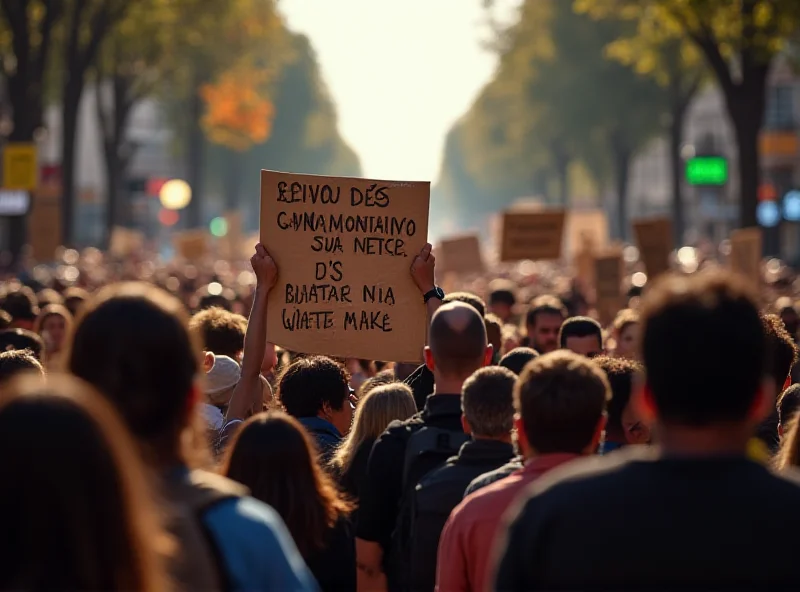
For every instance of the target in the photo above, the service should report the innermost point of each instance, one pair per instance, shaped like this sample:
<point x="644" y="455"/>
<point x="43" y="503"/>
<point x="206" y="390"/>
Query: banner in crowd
<point x="191" y="245"/>
<point x="44" y="223"/>
<point x="746" y="253"/>
<point x="124" y="241"/>
<point x="532" y="235"/>
<point x="460" y="254"/>
<point x="344" y="248"/>
<point x="585" y="230"/>
<point x="654" y="240"/>
<point x="608" y="273"/>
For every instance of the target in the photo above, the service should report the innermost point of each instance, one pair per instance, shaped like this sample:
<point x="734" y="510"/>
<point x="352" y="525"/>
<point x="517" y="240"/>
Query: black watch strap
<point x="436" y="292"/>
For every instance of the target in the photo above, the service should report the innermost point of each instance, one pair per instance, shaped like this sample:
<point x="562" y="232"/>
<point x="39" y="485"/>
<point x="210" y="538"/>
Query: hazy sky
<point x="400" y="71"/>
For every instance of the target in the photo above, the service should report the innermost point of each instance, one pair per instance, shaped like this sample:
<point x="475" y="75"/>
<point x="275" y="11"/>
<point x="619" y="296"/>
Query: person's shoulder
<point x="402" y="428"/>
<point x="590" y="473"/>
<point x="787" y="480"/>
<point x="245" y="515"/>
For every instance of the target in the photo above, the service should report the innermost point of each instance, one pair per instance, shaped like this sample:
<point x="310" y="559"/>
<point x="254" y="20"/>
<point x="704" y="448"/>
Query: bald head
<point x="458" y="339"/>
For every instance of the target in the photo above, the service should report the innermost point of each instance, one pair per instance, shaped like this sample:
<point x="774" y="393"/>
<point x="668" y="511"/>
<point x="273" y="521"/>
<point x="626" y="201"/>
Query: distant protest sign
<point x="608" y="273"/>
<point x="532" y="235"/>
<point x="344" y="248"/>
<point x="125" y="242"/>
<point x="192" y="245"/>
<point x="654" y="240"/>
<point x="460" y="255"/>
<point x="746" y="253"/>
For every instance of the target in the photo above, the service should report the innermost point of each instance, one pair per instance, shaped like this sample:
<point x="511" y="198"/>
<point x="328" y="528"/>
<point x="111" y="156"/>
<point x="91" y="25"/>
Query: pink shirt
<point x="465" y="546"/>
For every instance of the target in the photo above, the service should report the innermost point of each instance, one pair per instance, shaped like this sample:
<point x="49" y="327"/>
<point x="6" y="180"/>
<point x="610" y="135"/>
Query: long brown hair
<point x="132" y="343"/>
<point x="275" y="457"/>
<point x="789" y="454"/>
<point x="78" y="510"/>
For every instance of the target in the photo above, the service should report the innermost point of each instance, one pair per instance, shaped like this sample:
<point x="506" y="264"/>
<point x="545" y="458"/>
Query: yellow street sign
<point x="20" y="170"/>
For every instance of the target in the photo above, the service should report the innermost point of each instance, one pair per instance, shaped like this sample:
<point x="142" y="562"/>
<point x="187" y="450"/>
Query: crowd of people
<point x="155" y="440"/>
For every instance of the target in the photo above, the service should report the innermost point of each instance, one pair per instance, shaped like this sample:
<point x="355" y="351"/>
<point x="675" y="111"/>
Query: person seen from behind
<point x="488" y="417"/>
<point x="18" y="361"/>
<point x="707" y="387"/>
<point x="83" y="514"/>
<point x="560" y="402"/>
<point x="377" y="409"/>
<point x="274" y="456"/>
<point x="133" y="345"/>
<point x="21" y="304"/>
<point x="406" y="451"/>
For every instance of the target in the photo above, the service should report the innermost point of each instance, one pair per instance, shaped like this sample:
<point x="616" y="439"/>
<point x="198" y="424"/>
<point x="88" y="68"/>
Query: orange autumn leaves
<point x="238" y="113"/>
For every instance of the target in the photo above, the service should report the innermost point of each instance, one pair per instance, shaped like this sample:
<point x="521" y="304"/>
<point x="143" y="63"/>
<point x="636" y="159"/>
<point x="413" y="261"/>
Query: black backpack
<point x="428" y="448"/>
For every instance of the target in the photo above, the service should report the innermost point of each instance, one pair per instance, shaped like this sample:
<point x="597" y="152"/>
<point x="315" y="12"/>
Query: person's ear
<point x="522" y="438"/>
<point x="644" y="403"/>
<point x="465" y="425"/>
<point x="208" y="361"/>
<point x="428" y="356"/>
<point x="763" y="403"/>
<point x="598" y="434"/>
<point x="488" y="355"/>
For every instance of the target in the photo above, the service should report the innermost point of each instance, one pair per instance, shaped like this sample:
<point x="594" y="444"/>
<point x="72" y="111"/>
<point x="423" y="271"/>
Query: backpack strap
<point x="426" y="440"/>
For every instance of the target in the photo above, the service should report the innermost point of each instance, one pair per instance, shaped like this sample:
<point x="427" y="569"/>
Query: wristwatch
<point x="436" y="292"/>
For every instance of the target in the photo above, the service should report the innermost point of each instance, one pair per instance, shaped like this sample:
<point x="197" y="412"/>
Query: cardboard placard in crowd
<point x="125" y="241"/>
<point x="191" y="245"/>
<point x="44" y="223"/>
<point x="585" y="228"/>
<point x="460" y="255"/>
<point x="608" y="272"/>
<point x="532" y="235"/>
<point x="746" y="253"/>
<point x="344" y="248"/>
<point x="654" y="240"/>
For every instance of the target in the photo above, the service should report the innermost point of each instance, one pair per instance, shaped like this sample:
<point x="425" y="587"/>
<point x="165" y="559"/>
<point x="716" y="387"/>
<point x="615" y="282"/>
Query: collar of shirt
<point x="441" y="406"/>
<point x="319" y="426"/>
<point x="479" y="451"/>
<point x="544" y="462"/>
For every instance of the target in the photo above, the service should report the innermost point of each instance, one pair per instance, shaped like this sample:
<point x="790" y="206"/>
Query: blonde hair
<point x="789" y="454"/>
<point x="380" y="407"/>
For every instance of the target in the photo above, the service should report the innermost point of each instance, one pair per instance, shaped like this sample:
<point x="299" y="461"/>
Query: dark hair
<point x="373" y="382"/>
<point x="132" y="344"/>
<point x="48" y="296"/>
<point x="545" y="304"/>
<point x="788" y="403"/>
<point x="74" y="473"/>
<point x="17" y="361"/>
<point x="494" y="332"/>
<point x="205" y="299"/>
<point x="474" y="301"/>
<point x="74" y="297"/>
<point x="561" y="397"/>
<point x="703" y="347"/>
<point x="457" y="351"/>
<point x="221" y="331"/>
<point x="308" y="383"/>
<point x="21" y="304"/>
<point x="276" y="459"/>
<point x="11" y="339"/>
<point x="518" y="358"/>
<point x="620" y="373"/>
<point x="580" y="327"/>
<point x="502" y="297"/>
<point x="781" y="346"/>
<point x="487" y="400"/>
<point x="5" y="320"/>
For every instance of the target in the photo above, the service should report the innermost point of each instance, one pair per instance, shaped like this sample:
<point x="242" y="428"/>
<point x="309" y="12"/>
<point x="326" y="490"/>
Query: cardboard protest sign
<point x="585" y="230"/>
<point x="125" y="241"/>
<point x="344" y="248"/>
<point x="746" y="253"/>
<point x="608" y="272"/>
<point x="654" y="239"/>
<point x="460" y="255"/>
<point x="44" y="224"/>
<point x="532" y="235"/>
<point x="191" y="245"/>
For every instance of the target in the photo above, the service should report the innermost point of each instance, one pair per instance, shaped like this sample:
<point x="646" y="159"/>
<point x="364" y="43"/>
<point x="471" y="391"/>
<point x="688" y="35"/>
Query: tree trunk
<point x="69" y="128"/>
<point x="622" y="161"/>
<point x="747" y="127"/>
<point x="676" y="172"/>
<point x="196" y="156"/>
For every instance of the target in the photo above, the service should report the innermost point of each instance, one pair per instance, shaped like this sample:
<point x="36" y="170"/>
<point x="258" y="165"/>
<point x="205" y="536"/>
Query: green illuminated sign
<point x="707" y="170"/>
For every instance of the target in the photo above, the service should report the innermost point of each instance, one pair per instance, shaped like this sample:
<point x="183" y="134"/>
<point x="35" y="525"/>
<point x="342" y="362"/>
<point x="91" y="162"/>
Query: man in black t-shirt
<point x="457" y="348"/>
<point x="694" y="512"/>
